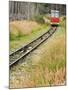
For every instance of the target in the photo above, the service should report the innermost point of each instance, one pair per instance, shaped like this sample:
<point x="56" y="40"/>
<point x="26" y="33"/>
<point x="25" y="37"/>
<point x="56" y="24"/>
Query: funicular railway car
<point x="55" y="19"/>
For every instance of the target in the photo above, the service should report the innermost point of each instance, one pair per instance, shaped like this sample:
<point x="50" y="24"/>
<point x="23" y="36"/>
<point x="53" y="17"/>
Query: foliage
<point x="39" y="19"/>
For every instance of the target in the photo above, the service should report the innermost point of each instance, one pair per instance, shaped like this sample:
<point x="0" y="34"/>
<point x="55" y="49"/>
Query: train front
<point x="55" y="19"/>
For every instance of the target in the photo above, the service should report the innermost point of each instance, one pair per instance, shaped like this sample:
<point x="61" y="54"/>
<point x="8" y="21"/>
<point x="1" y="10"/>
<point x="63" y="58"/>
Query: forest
<point x="28" y="10"/>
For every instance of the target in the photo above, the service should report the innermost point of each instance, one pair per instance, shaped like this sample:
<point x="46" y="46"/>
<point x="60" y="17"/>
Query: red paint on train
<point x="55" y="20"/>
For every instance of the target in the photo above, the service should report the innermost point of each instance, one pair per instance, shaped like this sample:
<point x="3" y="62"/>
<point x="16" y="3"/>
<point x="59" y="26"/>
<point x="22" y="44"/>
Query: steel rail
<point x="17" y="50"/>
<point x="23" y="51"/>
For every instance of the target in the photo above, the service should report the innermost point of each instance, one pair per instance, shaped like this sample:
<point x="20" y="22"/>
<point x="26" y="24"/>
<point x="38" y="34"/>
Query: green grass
<point x="24" y="39"/>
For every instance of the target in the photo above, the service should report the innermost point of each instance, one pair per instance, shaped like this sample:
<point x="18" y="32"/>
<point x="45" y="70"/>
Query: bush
<point x="39" y="19"/>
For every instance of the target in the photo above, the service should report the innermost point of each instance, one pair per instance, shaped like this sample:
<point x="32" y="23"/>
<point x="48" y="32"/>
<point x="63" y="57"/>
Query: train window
<point x="54" y="13"/>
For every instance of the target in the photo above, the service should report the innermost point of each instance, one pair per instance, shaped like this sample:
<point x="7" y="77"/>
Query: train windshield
<point x="54" y="13"/>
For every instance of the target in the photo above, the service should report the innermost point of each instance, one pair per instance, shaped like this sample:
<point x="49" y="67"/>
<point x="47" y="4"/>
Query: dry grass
<point x="50" y="70"/>
<point x="25" y="27"/>
<point x="23" y="32"/>
<point x="46" y="66"/>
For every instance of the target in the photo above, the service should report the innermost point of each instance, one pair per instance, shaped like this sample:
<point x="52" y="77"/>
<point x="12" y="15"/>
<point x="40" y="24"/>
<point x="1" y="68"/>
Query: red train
<point x="55" y="18"/>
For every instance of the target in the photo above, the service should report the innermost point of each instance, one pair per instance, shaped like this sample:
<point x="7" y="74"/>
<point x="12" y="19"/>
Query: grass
<point x="51" y="68"/>
<point x="46" y="66"/>
<point x="19" y="39"/>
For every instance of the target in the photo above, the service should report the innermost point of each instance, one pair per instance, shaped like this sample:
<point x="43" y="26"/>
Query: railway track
<point x="20" y="53"/>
